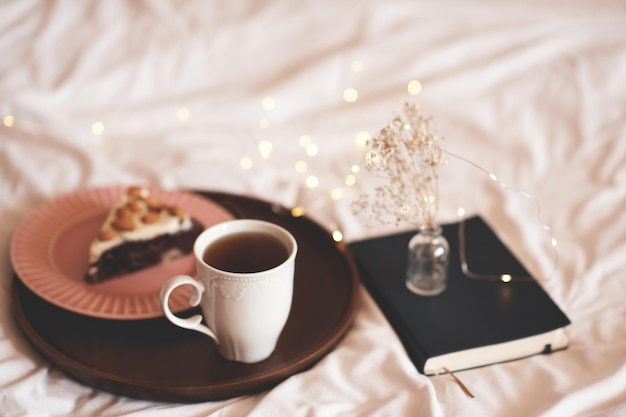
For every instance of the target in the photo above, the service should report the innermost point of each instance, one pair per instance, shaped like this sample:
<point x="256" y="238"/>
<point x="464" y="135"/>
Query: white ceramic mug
<point x="245" y="312"/>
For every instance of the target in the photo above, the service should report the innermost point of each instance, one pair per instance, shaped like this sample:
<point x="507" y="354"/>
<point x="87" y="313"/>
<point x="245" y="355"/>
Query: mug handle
<point x="193" y="322"/>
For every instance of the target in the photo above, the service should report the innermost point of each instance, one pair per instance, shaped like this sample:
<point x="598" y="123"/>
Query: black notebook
<point x="473" y="322"/>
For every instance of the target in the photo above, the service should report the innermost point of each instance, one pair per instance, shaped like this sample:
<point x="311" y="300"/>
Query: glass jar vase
<point x="427" y="269"/>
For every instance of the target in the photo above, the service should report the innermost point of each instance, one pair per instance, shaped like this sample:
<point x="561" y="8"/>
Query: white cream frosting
<point x="167" y="223"/>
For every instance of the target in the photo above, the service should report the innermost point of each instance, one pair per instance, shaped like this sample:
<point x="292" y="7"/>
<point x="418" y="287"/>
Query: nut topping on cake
<point x="106" y="234"/>
<point x="123" y="213"/>
<point x="139" y="231"/>
<point x="176" y="211"/>
<point x="136" y="192"/>
<point x="153" y="204"/>
<point x="124" y="224"/>
<point x="134" y="206"/>
<point x="150" y="217"/>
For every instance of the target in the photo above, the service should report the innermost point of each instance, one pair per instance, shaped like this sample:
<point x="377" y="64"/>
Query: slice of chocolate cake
<point x="140" y="231"/>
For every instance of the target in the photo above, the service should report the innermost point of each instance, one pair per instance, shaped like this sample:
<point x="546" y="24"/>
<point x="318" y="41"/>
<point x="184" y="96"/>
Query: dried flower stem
<point x="407" y="154"/>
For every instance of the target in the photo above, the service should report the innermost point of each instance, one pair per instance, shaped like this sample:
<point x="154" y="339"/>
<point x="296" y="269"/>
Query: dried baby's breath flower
<point x="406" y="153"/>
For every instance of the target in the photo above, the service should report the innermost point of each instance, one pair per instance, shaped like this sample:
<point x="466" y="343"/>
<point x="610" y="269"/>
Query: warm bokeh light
<point x="506" y="278"/>
<point x="304" y="140"/>
<point x="312" y="149"/>
<point x="297" y="211"/>
<point x="182" y="114"/>
<point x="97" y="128"/>
<point x="414" y="87"/>
<point x="245" y="163"/>
<point x="301" y="166"/>
<point x="268" y="103"/>
<point x="8" y="120"/>
<point x="312" y="181"/>
<point x="337" y="236"/>
<point x="265" y="148"/>
<point x="357" y="66"/>
<point x="350" y="180"/>
<point x="337" y="193"/>
<point x="362" y="138"/>
<point x="372" y="158"/>
<point x="350" y="95"/>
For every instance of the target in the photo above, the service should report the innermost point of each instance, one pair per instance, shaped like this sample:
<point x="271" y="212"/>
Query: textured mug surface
<point x="243" y="312"/>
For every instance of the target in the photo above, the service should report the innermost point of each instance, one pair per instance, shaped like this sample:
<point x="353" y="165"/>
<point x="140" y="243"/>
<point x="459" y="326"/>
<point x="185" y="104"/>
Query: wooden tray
<point x="155" y="360"/>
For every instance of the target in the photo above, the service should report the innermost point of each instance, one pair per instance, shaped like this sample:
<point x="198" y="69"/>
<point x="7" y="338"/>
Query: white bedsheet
<point x="176" y="94"/>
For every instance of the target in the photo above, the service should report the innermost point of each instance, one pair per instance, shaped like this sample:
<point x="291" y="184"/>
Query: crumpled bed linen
<point x="231" y="96"/>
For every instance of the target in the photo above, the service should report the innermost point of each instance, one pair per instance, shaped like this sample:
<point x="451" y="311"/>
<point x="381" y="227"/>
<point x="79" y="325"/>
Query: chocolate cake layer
<point x="132" y="256"/>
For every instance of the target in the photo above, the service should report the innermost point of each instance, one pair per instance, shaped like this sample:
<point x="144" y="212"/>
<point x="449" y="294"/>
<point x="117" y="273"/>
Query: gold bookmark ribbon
<point x="459" y="383"/>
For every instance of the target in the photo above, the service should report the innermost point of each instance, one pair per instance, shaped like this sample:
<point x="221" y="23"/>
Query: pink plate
<point x="49" y="251"/>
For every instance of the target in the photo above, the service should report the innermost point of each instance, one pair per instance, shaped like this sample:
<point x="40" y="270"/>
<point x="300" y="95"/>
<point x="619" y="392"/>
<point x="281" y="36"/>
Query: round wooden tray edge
<point x="122" y="386"/>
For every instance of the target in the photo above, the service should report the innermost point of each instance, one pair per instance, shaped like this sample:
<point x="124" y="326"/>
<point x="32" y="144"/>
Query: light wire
<point x="504" y="277"/>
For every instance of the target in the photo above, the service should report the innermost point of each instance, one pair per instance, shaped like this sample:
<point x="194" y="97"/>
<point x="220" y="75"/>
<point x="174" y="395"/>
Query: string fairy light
<point x="8" y="120"/>
<point x="337" y="193"/>
<point x="268" y="103"/>
<point x="245" y="163"/>
<point x="356" y="66"/>
<point x="182" y="114"/>
<point x="298" y="211"/>
<point x="312" y="149"/>
<point x="265" y="149"/>
<point x="304" y="140"/>
<point x="301" y="166"/>
<point x="388" y="153"/>
<point x="350" y="95"/>
<point x="414" y="87"/>
<point x="362" y="138"/>
<point x="337" y="235"/>
<point x="97" y="128"/>
<point x="461" y="212"/>
<point x="312" y="181"/>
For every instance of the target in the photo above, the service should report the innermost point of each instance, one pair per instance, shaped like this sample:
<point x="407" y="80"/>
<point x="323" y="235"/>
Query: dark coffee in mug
<point x="245" y="252"/>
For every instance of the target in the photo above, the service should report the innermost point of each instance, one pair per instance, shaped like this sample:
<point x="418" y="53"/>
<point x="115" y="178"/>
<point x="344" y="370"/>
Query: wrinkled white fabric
<point x="532" y="91"/>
